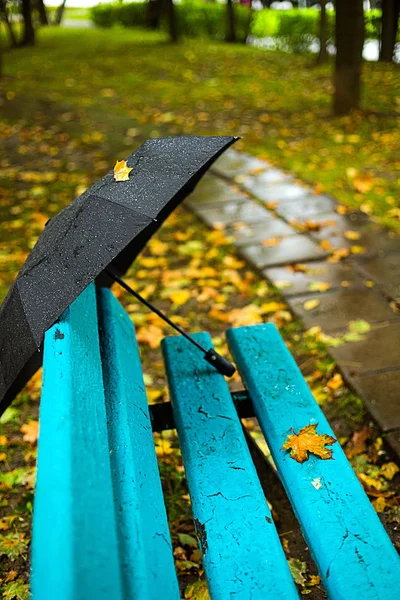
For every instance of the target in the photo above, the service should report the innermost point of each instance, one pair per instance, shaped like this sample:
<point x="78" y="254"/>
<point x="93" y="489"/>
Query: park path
<point x="276" y="223"/>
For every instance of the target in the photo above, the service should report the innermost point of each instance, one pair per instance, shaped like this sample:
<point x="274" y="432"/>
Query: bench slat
<point x="74" y="548"/>
<point x="242" y="554"/>
<point x="145" y="544"/>
<point x="355" y="556"/>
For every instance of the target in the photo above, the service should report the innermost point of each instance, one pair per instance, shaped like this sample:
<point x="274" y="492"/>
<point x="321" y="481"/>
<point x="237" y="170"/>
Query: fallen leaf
<point x="318" y="286"/>
<point x="326" y="245"/>
<point x="341" y="210"/>
<point x="197" y="591"/>
<point x="151" y="335"/>
<point x="271" y="307"/>
<point x="357" y="444"/>
<point x="30" y="431"/>
<point x="297" y="268"/>
<point x="298" y="569"/>
<point x="180" y="297"/>
<point x="309" y="441"/>
<point x="358" y="250"/>
<point x="335" y="382"/>
<point x="363" y="182"/>
<point x="352" y="235"/>
<point x="389" y="470"/>
<point x="379" y="504"/>
<point x="338" y="255"/>
<point x="311" y="304"/>
<point x="370" y="482"/>
<point x="359" y="326"/>
<point x="274" y="241"/>
<point x="121" y="171"/>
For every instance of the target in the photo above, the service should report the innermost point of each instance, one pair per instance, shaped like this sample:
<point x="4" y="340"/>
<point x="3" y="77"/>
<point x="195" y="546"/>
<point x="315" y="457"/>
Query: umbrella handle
<point x="220" y="363"/>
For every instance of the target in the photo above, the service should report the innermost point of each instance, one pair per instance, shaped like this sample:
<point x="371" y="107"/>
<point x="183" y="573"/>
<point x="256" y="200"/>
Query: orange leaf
<point x="121" y="171"/>
<point x="308" y="441"/>
<point x="30" y="431"/>
<point x="273" y="241"/>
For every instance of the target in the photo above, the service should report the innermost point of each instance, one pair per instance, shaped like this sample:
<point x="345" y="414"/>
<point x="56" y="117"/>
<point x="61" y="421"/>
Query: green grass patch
<point x="280" y="104"/>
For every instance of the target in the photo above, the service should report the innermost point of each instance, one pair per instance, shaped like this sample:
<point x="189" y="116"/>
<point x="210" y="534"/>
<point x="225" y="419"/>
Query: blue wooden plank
<point x="74" y="548"/>
<point x="242" y="554"/>
<point x="355" y="556"/>
<point x="145" y="546"/>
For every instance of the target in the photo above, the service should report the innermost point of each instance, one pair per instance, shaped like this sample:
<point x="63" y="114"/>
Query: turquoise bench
<point x="100" y="530"/>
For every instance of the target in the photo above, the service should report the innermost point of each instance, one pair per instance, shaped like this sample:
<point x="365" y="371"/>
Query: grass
<point x="280" y="104"/>
<point x="70" y="109"/>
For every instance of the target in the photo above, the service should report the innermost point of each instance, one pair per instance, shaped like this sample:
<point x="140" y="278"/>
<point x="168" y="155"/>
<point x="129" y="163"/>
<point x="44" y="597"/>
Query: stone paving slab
<point x="248" y="234"/>
<point x="337" y="309"/>
<point x="233" y="212"/>
<point x="372" y="236"/>
<point x="293" y="283"/>
<point x="305" y="208"/>
<point x="385" y="270"/>
<point x="381" y="393"/>
<point x="297" y="248"/>
<point x="212" y="192"/>
<point x="281" y="192"/>
<point x="268" y="179"/>
<point x="393" y="438"/>
<point x="377" y="351"/>
<point x="233" y="163"/>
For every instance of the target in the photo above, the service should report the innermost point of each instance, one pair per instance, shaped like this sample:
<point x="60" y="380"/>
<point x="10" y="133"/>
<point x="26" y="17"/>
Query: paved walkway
<point x="275" y="223"/>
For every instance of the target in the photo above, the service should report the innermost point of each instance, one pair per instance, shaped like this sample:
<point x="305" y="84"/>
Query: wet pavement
<point x="347" y="263"/>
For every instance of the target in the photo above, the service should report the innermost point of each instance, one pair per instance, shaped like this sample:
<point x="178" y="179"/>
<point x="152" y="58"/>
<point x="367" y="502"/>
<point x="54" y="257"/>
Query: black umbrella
<point x="96" y="237"/>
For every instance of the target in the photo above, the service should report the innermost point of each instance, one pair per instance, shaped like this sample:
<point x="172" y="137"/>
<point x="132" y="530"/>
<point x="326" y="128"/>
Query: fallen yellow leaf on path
<point x="311" y="304"/>
<point x="121" y="171"/>
<point x="319" y="286"/>
<point x="352" y="235"/>
<point x="273" y="241"/>
<point x="309" y="441"/>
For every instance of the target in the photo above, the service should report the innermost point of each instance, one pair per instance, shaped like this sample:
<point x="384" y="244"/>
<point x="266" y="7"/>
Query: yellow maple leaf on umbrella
<point x="309" y="441"/>
<point x="121" y="171"/>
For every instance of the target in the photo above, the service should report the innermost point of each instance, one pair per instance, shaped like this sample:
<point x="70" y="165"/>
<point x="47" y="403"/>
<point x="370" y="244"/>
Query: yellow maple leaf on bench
<point x="309" y="441"/>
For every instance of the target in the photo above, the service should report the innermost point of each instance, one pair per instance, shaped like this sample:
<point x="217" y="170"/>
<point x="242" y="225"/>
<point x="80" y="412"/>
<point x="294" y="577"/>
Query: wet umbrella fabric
<point x="109" y="224"/>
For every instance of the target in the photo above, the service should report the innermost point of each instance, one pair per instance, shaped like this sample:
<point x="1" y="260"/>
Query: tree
<point x="28" y="37"/>
<point x="231" y="24"/>
<point x="60" y="13"/>
<point x="154" y="13"/>
<point x="42" y="12"/>
<point x="10" y="30"/>
<point x="390" y="25"/>
<point x="323" y="35"/>
<point x="171" y="20"/>
<point x="349" y="46"/>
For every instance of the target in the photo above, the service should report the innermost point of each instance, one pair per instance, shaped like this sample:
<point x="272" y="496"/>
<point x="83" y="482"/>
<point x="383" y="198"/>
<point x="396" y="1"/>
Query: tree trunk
<point x="323" y="35"/>
<point x="390" y="24"/>
<point x="28" y="38"/>
<point x="11" y="34"/>
<point x="171" y="21"/>
<point x="231" y="25"/>
<point x="42" y="12"/>
<point x="349" y="46"/>
<point x="60" y="13"/>
<point x="153" y="14"/>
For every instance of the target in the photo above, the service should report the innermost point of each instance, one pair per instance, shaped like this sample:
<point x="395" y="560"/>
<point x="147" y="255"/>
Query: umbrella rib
<point x="153" y="308"/>
<point x="220" y="363"/>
